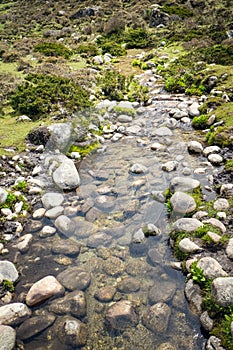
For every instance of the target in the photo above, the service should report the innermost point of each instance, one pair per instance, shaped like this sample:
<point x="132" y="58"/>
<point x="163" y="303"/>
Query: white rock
<point x="52" y="199"/>
<point x="13" y="314"/>
<point x="187" y="225"/>
<point x="54" y="212"/>
<point x="18" y="207"/>
<point x="7" y="338"/>
<point x="216" y="223"/>
<point x="211" y="149"/>
<point x="66" y="176"/>
<point x="169" y="166"/>
<point x="211" y="268"/>
<point x="195" y="146"/>
<point x="8" y="271"/>
<point x="138" y="169"/>
<point x="47" y="231"/>
<point x="64" y="225"/>
<point x="39" y="213"/>
<point x="221" y="204"/>
<point x="187" y="246"/>
<point x="182" y="203"/>
<point x="193" y="110"/>
<point x="23" y="243"/>
<point x="3" y="195"/>
<point x="6" y="211"/>
<point x="229" y="248"/>
<point x="215" y="158"/>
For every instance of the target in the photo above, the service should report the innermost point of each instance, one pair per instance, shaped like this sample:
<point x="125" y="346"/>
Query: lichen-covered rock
<point x="7" y="338"/>
<point x="8" y="271"/>
<point x="71" y="331"/>
<point x="211" y="268"/>
<point x="14" y="313"/>
<point x="222" y="290"/>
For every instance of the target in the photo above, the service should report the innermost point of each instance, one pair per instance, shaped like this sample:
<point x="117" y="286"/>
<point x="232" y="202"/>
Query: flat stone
<point x="183" y="184"/>
<point x="222" y="290"/>
<point x="211" y="268"/>
<point x="128" y="285"/>
<point x="166" y="346"/>
<point x="187" y="225"/>
<point x="162" y="291"/>
<point x="221" y="204"/>
<point x="99" y="239"/>
<point x="74" y="278"/>
<point x="14" y="314"/>
<point x="105" y="203"/>
<point x="156" y="146"/>
<point x="157" y="318"/>
<point x="187" y="246"/>
<point x="71" y="331"/>
<point x="124" y="118"/>
<point x="7" y="338"/>
<point x="33" y="226"/>
<point x="8" y="271"/>
<point x="216" y="223"/>
<point x="122" y="314"/>
<point x="182" y="203"/>
<point x="39" y="213"/>
<point x="163" y="131"/>
<point x="66" y="246"/>
<point x="125" y="104"/>
<point x="44" y="289"/>
<point x="34" y="325"/>
<point x="52" y="199"/>
<point x="54" y="212"/>
<point x="83" y="228"/>
<point x="211" y="149"/>
<point x="138" y="169"/>
<point x="73" y="303"/>
<point x="105" y="294"/>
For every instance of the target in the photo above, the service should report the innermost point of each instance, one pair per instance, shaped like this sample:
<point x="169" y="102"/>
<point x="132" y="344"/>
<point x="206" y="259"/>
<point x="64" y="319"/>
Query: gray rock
<point x="222" y="290"/>
<point x="66" y="176"/>
<point x="67" y="247"/>
<point x="157" y="318"/>
<point x="213" y="343"/>
<point x="195" y="146"/>
<point x="215" y="158"/>
<point x="52" y="199"/>
<point x="162" y="291"/>
<point x="221" y="204"/>
<point x="65" y="225"/>
<point x="34" y="325"/>
<point x="216" y="223"/>
<point x="39" y="213"/>
<point x="187" y="225"/>
<point x="187" y="246"/>
<point x="151" y="230"/>
<point x="7" y="338"/>
<point x="158" y="196"/>
<point x="14" y="314"/>
<point x="163" y="131"/>
<point x="105" y="294"/>
<point x="206" y="322"/>
<point x="211" y="149"/>
<point x="23" y="243"/>
<point x="74" y="278"/>
<point x="128" y="285"/>
<point x="33" y="226"/>
<point x="122" y="314"/>
<point x="47" y="231"/>
<point x="71" y="331"/>
<point x="183" y="184"/>
<point x="8" y="271"/>
<point x="138" y="236"/>
<point x="125" y="104"/>
<point x="156" y="146"/>
<point x="182" y="203"/>
<point x="99" y="239"/>
<point x="105" y="203"/>
<point x="54" y="212"/>
<point x="193" y="295"/>
<point x="83" y="228"/>
<point x="44" y="289"/>
<point x="133" y="130"/>
<point x="193" y="110"/>
<point x="169" y="166"/>
<point x="60" y="136"/>
<point x="3" y="195"/>
<point x="138" y="169"/>
<point x="229" y="248"/>
<point x="124" y="118"/>
<point x="211" y="268"/>
<point x="226" y="189"/>
<point x="73" y="303"/>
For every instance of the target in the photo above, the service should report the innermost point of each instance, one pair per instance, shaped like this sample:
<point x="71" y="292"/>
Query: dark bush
<point x="180" y="11"/>
<point x="89" y="49"/>
<point x="53" y="49"/>
<point x="113" y="85"/>
<point x="137" y="38"/>
<point x="218" y="54"/>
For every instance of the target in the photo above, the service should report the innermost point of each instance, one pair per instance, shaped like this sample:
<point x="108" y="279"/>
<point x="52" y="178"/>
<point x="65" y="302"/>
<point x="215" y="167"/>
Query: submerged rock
<point x="71" y="331"/>
<point x="73" y="303"/>
<point x="74" y="278"/>
<point x="157" y="318"/>
<point x="122" y="314"/>
<point x="34" y="325"/>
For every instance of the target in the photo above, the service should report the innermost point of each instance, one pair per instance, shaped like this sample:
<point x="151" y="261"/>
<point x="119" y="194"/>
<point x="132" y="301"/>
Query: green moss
<point x="113" y="85"/>
<point x="122" y="110"/>
<point x="180" y="11"/>
<point x="84" y="150"/>
<point x="8" y="286"/>
<point x="90" y="49"/>
<point x="200" y="122"/>
<point x="229" y="164"/>
<point x="21" y="186"/>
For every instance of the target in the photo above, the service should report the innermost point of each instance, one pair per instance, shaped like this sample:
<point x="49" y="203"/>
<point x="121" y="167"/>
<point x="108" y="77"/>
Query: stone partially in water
<point x="193" y="295"/>
<point x="74" y="278"/>
<point x="66" y="175"/>
<point x="183" y="184"/>
<point x="44" y="289"/>
<point x="105" y="294"/>
<point x="33" y="226"/>
<point x="14" y="313"/>
<point x="157" y="318"/>
<point x="182" y="203"/>
<point x="65" y="246"/>
<point x="162" y="292"/>
<point x="71" y="331"/>
<point x="64" y="225"/>
<point x="73" y="303"/>
<point x="7" y="337"/>
<point x="121" y="315"/>
<point x="23" y="243"/>
<point x="34" y="325"/>
<point x="138" y="169"/>
<point x="54" y="212"/>
<point x="52" y="199"/>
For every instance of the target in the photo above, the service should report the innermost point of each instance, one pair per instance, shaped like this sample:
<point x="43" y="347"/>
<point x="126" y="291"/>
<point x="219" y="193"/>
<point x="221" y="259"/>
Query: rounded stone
<point x="105" y="294"/>
<point x="7" y="338"/>
<point x="52" y="199"/>
<point x="64" y="224"/>
<point x="221" y="204"/>
<point x="66" y="247"/>
<point x="162" y="291"/>
<point x="184" y="184"/>
<point x="74" y="278"/>
<point x="71" y="331"/>
<point x="14" y="314"/>
<point x="47" y="231"/>
<point x="182" y="203"/>
<point x="211" y="268"/>
<point x="73" y="303"/>
<point x="8" y="271"/>
<point x="157" y="318"/>
<point x="33" y="226"/>
<point x="187" y="225"/>
<point x="222" y="290"/>
<point x="122" y="314"/>
<point x="34" y="325"/>
<point x="128" y="285"/>
<point x="195" y="147"/>
<point x="54" y="212"/>
<point x="39" y="213"/>
<point x="3" y="195"/>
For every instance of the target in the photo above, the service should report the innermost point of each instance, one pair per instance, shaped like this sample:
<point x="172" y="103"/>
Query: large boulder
<point x="66" y="176"/>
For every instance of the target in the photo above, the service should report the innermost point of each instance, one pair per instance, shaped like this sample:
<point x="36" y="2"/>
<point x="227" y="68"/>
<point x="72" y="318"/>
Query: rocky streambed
<point x="93" y="266"/>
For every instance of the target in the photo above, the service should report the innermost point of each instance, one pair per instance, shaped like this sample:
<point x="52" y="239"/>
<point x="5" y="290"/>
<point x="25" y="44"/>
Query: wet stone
<point x="193" y="295"/>
<point x="169" y="166"/>
<point x="195" y="147"/>
<point x="64" y="225"/>
<point x="73" y="303"/>
<point x="52" y="199"/>
<point x="114" y="266"/>
<point x="121" y="315"/>
<point x="14" y="314"/>
<point x="162" y="292"/>
<point x="105" y="203"/>
<point x="105" y="294"/>
<point x="23" y="243"/>
<point x="157" y="318"/>
<point x="44" y="289"/>
<point x="7" y="337"/>
<point x="54" y="212"/>
<point x="83" y="228"/>
<point x="138" y="169"/>
<point x="71" y="331"/>
<point x="99" y="239"/>
<point x="74" y="278"/>
<point x="182" y="203"/>
<point x="34" y="325"/>
<point x="128" y="285"/>
<point x="206" y="322"/>
<point x="65" y="246"/>
<point x="93" y="214"/>
<point x="183" y="184"/>
<point x="47" y="231"/>
<point x="33" y="226"/>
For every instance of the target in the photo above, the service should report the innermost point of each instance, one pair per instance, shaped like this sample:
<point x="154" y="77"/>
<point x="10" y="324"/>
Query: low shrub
<point x="89" y="49"/>
<point x="113" y="85"/>
<point x="53" y="49"/>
